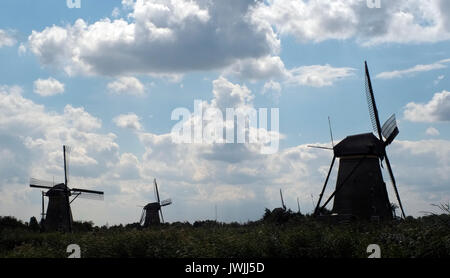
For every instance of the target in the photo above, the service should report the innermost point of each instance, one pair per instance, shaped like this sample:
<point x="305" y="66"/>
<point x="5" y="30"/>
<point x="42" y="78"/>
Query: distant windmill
<point x="59" y="214"/>
<point x="360" y="190"/>
<point x="150" y="212"/>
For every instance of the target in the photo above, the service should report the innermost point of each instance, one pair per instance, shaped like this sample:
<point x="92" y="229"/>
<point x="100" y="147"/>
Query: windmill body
<point x="152" y="214"/>
<point x="59" y="214"/>
<point x="360" y="189"/>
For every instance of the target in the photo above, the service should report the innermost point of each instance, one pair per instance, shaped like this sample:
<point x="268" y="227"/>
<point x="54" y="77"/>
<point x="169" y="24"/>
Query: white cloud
<point x="115" y="13"/>
<point x="436" y="110"/>
<point x="271" y="86"/>
<point x="236" y="177"/>
<point x="318" y="75"/>
<point x="229" y="95"/>
<point x="6" y="39"/>
<point x="416" y="69"/>
<point x="22" y="49"/>
<point x="48" y="87"/>
<point x="432" y="131"/>
<point x="439" y="79"/>
<point x="158" y="37"/>
<point x="130" y="121"/>
<point x="403" y="21"/>
<point x="258" y="68"/>
<point x="127" y="85"/>
<point x="272" y="67"/>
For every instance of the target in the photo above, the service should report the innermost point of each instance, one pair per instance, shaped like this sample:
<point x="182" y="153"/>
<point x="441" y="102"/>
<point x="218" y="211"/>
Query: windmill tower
<point x="59" y="213"/>
<point x="360" y="190"/>
<point x="150" y="212"/>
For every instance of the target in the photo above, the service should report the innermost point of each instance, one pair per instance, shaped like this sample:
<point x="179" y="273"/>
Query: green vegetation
<point x="277" y="234"/>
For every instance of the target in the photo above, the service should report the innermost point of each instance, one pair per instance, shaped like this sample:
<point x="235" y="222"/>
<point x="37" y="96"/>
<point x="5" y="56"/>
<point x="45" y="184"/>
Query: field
<point x="285" y="235"/>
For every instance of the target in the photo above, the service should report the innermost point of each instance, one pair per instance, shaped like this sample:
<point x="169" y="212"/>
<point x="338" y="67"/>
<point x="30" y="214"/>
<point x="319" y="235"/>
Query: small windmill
<point x="360" y="190"/>
<point x="150" y="212"/>
<point x="59" y="214"/>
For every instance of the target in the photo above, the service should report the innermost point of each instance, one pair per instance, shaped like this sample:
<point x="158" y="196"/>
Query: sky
<point x="106" y="77"/>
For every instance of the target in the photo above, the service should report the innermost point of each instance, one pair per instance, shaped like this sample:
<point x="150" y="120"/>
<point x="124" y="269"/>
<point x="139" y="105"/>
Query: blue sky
<point x="106" y="77"/>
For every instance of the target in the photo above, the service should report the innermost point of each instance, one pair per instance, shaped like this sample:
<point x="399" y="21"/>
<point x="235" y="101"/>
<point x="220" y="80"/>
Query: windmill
<point x="150" y="212"/>
<point x="59" y="214"/>
<point x="360" y="190"/>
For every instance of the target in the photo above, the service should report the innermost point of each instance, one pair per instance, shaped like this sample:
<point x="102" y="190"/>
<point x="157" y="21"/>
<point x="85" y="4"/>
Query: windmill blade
<point x="142" y="217"/>
<point x="66" y="154"/>
<point x="331" y="131"/>
<point x="157" y="192"/>
<point x="320" y="147"/>
<point x="75" y="190"/>
<point x="166" y="202"/>
<point x="373" y="111"/>
<point x="390" y="129"/>
<point x="282" y="201"/>
<point x="162" y="217"/>
<point x="391" y="174"/>
<point x="91" y="196"/>
<point x="41" y="184"/>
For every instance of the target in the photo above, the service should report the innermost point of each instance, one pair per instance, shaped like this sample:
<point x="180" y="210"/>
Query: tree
<point x="34" y="225"/>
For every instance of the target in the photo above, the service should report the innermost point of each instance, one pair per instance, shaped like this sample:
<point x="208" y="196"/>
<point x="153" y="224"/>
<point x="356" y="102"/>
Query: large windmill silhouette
<point x="360" y="191"/>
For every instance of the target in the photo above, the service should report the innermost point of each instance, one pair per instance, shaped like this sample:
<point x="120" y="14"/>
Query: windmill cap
<point x="151" y="206"/>
<point x="360" y="144"/>
<point x="57" y="190"/>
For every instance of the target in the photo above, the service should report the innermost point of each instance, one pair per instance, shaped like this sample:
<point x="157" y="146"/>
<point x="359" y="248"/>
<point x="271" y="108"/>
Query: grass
<point x="287" y="236"/>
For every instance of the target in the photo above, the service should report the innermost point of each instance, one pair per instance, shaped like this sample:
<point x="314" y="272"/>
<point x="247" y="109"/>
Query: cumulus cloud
<point x="272" y="86"/>
<point x="34" y="137"/>
<point x="436" y="110"/>
<point x="236" y="177"/>
<point x="402" y="21"/>
<point x="258" y="68"/>
<point x="130" y="121"/>
<point x="48" y="87"/>
<point x="439" y="79"/>
<point x="158" y="37"/>
<point x="6" y="39"/>
<point x="432" y="131"/>
<point x="318" y="75"/>
<point x="127" y="85"/>
<point x="416" y="69"/>
<point x="272" y="67"/>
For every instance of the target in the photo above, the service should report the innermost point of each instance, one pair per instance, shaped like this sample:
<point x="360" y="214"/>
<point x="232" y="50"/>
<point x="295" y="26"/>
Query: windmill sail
<point x="372" y="105"/>
<point x="166" y="202"/>
<point x="91" y="196"/>
<point x="390" y="129"/>
<point x="41" y="183"/>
